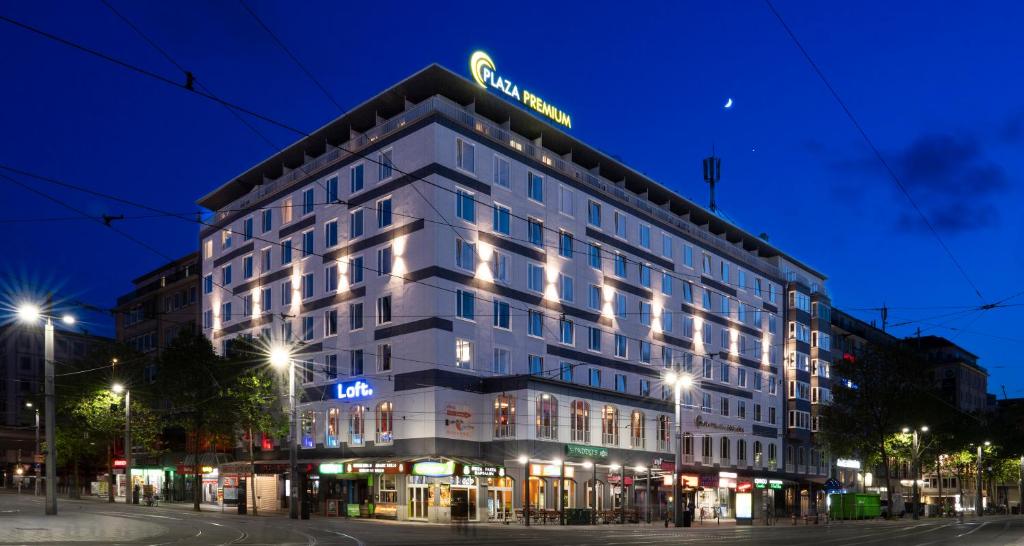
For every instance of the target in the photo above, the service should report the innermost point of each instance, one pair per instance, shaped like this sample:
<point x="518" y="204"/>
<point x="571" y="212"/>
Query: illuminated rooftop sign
<point x="354" y="390"/>
<point x="484" y="73"/>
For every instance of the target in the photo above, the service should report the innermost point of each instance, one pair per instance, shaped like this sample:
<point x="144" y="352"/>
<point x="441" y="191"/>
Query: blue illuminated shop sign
<point x="354" y="390"/>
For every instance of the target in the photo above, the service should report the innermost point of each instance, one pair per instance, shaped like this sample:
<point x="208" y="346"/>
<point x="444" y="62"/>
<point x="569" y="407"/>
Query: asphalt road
<point x="92" y="522"/>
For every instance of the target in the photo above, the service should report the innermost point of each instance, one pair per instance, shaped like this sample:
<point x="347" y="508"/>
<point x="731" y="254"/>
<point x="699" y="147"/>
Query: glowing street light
<point x="28" y="313"/>
<point x="280" y="357"/>
<point x="678" y="382"/>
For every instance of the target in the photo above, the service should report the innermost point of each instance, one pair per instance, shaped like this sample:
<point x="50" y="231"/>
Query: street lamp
<point x="678" y="382"/>
<point x="30" y="314"/>
<point x="915" y="462"/>
<point x="118" y="389"/>
<point x="977" y="507"/>
<point x="280" y="357"/>
<point x="35" y="460"/>
<point x="525" y="461"/>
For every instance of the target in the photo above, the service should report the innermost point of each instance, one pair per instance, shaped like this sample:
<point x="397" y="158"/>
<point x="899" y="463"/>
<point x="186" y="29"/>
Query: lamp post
<point x="280" y="357"/>
<point x="977" y="507"/>
<point x="525" y="461"/>
<point x="35" y="460"/>
<point x="118" y="389"/>
<point x="678" y="382"/>
<point x="915" y="463"/>
<point x="31" y="314"/>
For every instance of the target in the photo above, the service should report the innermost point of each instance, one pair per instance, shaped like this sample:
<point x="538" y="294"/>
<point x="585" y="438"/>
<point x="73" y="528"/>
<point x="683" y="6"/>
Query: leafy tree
<point x="195" y="381"/>
<point x="255" y="399"/>
<point x="879" y="392"/>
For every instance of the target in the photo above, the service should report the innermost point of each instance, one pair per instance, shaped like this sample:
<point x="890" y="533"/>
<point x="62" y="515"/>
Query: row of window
<point x="334" y="427"/>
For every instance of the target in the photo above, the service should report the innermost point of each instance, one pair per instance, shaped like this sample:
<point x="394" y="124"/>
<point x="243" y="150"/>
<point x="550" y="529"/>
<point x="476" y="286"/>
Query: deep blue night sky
<point x="937" y="87"/>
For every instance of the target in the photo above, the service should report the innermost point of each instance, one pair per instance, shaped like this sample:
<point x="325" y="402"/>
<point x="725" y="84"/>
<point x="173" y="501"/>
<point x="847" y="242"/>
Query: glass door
<point x="418" y="495"/>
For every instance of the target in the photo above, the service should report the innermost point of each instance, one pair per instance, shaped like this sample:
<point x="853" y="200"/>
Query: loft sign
<point x="354" y="390"/>
<point x="482" y="68"/>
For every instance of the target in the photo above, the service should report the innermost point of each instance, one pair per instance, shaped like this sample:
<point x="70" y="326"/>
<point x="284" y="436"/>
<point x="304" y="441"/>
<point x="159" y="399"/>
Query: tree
<point x="195" y="381"/>
<point x="254" y="397"/>
<point x="878" y="393"/>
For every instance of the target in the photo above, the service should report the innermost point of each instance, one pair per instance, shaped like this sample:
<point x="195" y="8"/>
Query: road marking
<point x="972" y="530"/>
<point x="350" y="537"/>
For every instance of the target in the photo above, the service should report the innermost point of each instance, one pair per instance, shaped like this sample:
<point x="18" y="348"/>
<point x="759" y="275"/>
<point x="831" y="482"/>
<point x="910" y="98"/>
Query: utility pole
<point x="51" y="419"/>
<point x="885" y="316"/>
<point x="977" y="507"/>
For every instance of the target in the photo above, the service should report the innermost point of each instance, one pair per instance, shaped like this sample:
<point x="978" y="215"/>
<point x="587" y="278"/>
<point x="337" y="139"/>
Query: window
<point x="208" y="248"/>
<point x="594" y="213"/>
<point x="565" y="288"/>
<point x="225" y="312"/>
<point x="267" y="220"/>
<point x="708" y="369"/>
<point x="504" y="416"/>
<point x="331" y="278"/>
<point x="307" y="286"/>
<point x="565" y="244"/>
<point x="356" y="425"/>
<point x="501" y="215"/>
<point x="225" y="239"/>
<point x="666" y="283"/>
<point x="620" y="224"/>
<point x="465" y="205"/>
<point x="595" y="377"/>
<point x="384" y="357"/>
<point x="465" y="255"/>
<point x="547" y="417"/>
<point x="307" y="328"/>
<point x="705" y="403"/>
<point x="594" y="296"/>
<point x="687" y="326"/>
<point x="688" y="292"/>
<point x="384" y="213"/>
<point x="535" y="364"/>
<point x="208" y="284"/>
<point x="565" y="371"/>
<point x="757" y="413"/>
<point x="535" y="277"/>
<point x="331" y="322"/>
<point x="265" y="260"/>
<point x="355" y="270"/>
<point x="706" y="334"/>
<point x="356" y="223"/>
<point x="741" y="312"/>
<point x="723" y="450"/>
<point x="502" y="361"/>
<point x="465" y="305"/>
<point x="620" y="345"/>
<point x="383" y="309"/>
<point x="645" y="275"/>
<point x="771" y="293"/>
<point x="225" y="275"/>
<point x="465" y="156"/>
<point x="636" y="429"/>
<point x="610" y="426"/>
<point x="620" y="265"/>
<point x="706" y="299"/>
<point x="266" y="299"/>
<point x="500" y="267"/>
<point x="773" y="325"/>
<point x="286" y="211"/>
<point x="356" y="361"/>
<point x="356" y="177"/>
<point x="384" y="259"/>
<point x="645" y="387"/>
<point x="725" y="406"/>
<point x="331" y="234"/>
<point x="307" y="243"/>
<point x="385" y="430"/>
<point x="566" y="201"/>
<point x="566" y="332"/>
<point x="501" y="314"/>
<point x="385" y="165"/>
<point x="594" y="255"/>
<point x="535" y="231"/>
<point x="741" y="409"/>
<point x="799" y="300"/>
<point x="535" y="187"/>
<point x="645" y="352"/>
<point x="355" y="316"/>
<point x="594" y="339"/>
<point x="502" y="172"/>
<point x="579" y="419"/>
<point x="645" y="313"/>
<point x="799" y="332"/>
<point x="286" y="293"/>
<point x="246" y="306"/>
<point x="534" y="323"/>
<point x="464" y="354"/>
<point x="620" y="382"/>
<point x="725" y="338"/>
<point x="247" y="229"/>
<point x="645" y="235"/>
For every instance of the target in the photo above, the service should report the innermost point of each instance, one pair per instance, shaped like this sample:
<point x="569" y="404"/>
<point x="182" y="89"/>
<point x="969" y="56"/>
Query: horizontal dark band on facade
<point x="369" y="242"/>
<point x="503" y="291"/>
<point x="640" y="291"/>
<point x="334" y="299"/>
<point x="765" y="432"/>
<point x="739" y="393"/>
<point x="243" y="324"/>
<point x="300" y="225"/>
<point x="422" y="173"/>
<point x="308" y="348"/>
<point x="631" y="249"/>
<point x="721" y="287"/>
<point x="721" y="321"/>
<point x="679" y="342"/>
<point x="430" y="323"/>
<point x="352" y="158"/>
<point x="598" y="360"/>
<point x="515" y="248"/>
<point x="746" y="362"/>
<point x="263" y="280"/>
<point x="240" y="251"/>
<point x="769" y="307"/>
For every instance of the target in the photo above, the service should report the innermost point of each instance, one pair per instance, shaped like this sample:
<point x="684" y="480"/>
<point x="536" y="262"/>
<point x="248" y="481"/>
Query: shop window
<point x="547" y="417"/>
<point x="308" y="428"/>
<point x="356" y="425"/>
<point x="580" y="418"/>
<point x="758" y="453"/>
<point x="504" y="417"/>
<point x="333" y="426"/>
<point x="385" y="423"/>
<point x="388" y="489"/>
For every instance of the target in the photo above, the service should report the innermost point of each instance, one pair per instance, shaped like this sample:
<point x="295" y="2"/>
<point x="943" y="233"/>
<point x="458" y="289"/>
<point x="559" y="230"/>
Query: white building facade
<point x="467" y="288"/>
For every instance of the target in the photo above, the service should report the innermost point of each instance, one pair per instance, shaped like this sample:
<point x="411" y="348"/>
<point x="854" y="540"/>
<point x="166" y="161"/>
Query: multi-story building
<point x="470" y="293"/>
<point x="163" y="303"/>
<point x="955" y="372"/>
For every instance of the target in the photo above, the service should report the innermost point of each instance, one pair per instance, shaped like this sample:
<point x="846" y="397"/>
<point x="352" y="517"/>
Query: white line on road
<point x="350" y="537"/>
<point x="972" y="530"/>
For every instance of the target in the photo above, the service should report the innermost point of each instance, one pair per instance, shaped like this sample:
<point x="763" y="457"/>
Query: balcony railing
<point x="452" y="110"/>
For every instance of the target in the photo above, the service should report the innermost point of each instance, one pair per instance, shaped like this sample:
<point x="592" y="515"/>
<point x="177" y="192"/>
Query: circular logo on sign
<point x="478" y="64"/>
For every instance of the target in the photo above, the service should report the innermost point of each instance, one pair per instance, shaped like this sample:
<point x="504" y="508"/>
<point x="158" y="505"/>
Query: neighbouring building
<point x="955" y="373"/>
<point x="476" y="301"/>
<point x="164" y="302"/>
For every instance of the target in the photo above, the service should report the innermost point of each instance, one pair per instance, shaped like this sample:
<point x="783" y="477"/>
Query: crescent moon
<point x="728" y="103"/>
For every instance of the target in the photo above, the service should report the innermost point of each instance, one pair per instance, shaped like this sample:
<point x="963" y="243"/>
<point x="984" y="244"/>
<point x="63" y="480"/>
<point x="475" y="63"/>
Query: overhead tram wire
<point x="874" y="149"/>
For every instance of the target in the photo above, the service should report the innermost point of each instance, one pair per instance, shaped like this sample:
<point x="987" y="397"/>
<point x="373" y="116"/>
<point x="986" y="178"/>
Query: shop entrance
<point x="419" y="497"/>
<point x="463" y="503"/>
<point x="499" y="498"/>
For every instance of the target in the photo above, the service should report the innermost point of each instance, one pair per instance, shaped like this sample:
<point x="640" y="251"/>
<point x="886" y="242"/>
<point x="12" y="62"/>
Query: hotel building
<point x="470" y="292"/>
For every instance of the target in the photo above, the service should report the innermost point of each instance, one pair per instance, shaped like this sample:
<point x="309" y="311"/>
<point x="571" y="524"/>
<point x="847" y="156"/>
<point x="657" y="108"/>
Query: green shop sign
<point x="586" y="452"/>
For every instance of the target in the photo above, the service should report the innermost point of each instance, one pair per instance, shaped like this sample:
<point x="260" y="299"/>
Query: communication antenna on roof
<point x="712" y="174"/>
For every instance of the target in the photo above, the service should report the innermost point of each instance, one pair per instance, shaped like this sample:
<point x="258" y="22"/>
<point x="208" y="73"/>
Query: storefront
<point x="716" y="497"/>
<point x="266" y="486"/>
